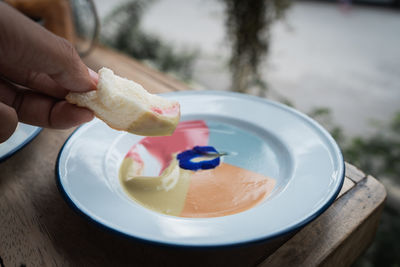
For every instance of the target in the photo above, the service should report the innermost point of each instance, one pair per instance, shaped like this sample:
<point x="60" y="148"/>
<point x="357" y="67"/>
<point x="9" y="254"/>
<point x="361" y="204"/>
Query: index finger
<point x="41" y="110"/>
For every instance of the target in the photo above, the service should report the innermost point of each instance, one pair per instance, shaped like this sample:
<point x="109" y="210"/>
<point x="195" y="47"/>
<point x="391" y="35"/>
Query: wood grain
<point x="354" y="173"/>
<point x="347" y="185"/>
<point x="339" y="235"/>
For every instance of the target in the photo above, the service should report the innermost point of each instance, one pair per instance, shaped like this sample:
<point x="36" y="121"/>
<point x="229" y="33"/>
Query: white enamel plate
<point x="20" y="138"/>
<point x="272" y="139"/>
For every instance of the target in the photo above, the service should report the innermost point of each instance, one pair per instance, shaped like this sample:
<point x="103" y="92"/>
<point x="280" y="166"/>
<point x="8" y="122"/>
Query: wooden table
<point x="37" y="228"/>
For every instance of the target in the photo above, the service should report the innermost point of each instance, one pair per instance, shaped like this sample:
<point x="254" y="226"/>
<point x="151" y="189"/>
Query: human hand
<point x="37" y="70"/>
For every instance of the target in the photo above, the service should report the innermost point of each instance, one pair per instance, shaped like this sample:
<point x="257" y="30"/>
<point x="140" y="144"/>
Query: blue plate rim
<point x="254" y="241"/>
<point x="21" y="145"/>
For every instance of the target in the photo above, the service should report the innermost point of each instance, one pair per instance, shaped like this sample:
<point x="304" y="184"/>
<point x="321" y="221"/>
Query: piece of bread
<point x="126" y="105"/>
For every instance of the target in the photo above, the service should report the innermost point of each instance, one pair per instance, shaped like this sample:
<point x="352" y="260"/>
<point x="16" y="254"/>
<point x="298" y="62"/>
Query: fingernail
<point x="93" y="75"/>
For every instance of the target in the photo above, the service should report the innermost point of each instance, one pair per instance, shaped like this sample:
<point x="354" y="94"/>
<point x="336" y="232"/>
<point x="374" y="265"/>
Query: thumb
<point x="9" y="121"/>
<point x="65" y="67"/>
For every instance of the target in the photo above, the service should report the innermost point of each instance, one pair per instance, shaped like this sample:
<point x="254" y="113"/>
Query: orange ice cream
<point x="225" y="190"/>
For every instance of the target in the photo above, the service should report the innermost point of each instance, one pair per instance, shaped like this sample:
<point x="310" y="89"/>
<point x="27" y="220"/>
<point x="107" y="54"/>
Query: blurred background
<point x="337" y="61"/>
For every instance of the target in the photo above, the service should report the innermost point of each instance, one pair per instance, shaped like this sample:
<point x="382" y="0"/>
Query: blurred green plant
<point x="248" y="29"/>
<point x="121" y="30"/>
<point x="378" y="154"/>
<point x="323" y="115"/>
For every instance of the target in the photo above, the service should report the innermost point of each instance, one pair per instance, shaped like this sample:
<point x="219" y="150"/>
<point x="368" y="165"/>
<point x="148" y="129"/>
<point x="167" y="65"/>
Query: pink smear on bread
<point x="173" y="110"/>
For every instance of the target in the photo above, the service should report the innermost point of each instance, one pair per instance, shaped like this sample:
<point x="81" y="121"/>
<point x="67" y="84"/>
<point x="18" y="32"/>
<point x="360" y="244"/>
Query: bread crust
<point x="147" y="122"/>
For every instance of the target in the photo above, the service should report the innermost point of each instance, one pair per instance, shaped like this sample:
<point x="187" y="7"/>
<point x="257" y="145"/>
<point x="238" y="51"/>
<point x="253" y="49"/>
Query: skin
<point x="37" y="70"/>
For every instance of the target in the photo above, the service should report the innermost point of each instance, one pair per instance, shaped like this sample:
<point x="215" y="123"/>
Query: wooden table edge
<point x="342" y="242"/>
